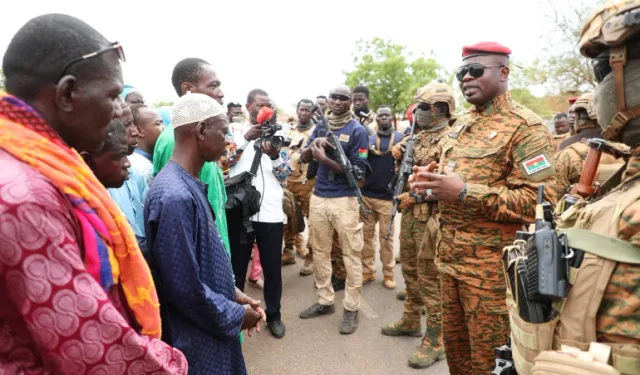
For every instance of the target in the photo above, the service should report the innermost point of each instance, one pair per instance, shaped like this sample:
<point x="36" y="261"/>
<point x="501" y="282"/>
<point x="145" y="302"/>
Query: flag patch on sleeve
<point x="536" y="164"/>
<point x="363" y="153"/>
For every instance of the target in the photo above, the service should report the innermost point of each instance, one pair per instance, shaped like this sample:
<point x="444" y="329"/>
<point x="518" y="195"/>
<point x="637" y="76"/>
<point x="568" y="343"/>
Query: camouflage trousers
<point x="421" y="277"/>
<point x="302" y="192"/>
<point x="475" y="322"/>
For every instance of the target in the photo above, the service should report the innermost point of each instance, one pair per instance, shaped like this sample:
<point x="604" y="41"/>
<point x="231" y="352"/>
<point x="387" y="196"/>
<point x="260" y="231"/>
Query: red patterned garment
<point x="54" y="316"/>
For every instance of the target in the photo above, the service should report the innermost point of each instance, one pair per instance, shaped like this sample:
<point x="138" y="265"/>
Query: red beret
<point x="572" y="99"/>
<point x="485" y="48"/>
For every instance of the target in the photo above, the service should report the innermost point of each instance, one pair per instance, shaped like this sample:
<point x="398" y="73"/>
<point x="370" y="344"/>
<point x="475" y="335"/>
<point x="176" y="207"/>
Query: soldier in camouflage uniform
<point x="298" y="184"/>
<point x="603" y="304"/>
<point x="492" y="162"/>
<point x="573" y="151"/>
<point x="418" y="231"/>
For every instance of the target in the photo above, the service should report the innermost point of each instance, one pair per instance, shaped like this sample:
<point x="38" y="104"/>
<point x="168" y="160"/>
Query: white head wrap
<point x="193" y="108"/>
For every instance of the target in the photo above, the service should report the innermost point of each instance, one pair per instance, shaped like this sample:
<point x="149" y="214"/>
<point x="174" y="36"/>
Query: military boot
<point x="425" y="356"/>
<point x="307" y="269"/>
<point x="402" y="328"/>
<point x="288" y="257"/>
<point x="430" y="351"/>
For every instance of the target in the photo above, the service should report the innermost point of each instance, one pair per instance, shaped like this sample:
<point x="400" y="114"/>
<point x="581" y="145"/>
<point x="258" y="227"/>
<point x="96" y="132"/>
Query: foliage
<point x="561" y="67"/>
<point x="159" y="104"/>
<point x="390" y="73"/>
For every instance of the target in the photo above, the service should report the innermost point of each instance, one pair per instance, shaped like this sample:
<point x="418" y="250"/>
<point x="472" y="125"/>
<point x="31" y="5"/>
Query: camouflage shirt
<point x="503" y="152"/>
<point x="298" y="141"/>
<point x="619" y="313"/>
<point x="569" y="163"/>
<point x="557" y="139"/>
<point x="427" y="149"/>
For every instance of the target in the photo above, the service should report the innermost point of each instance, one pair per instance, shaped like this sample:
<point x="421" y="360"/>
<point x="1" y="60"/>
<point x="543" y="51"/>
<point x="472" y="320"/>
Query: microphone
<point x="264" y="115"/>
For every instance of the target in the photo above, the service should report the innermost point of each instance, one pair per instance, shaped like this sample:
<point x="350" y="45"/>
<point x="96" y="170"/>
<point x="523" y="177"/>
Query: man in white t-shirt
<point x="267" y="224"/>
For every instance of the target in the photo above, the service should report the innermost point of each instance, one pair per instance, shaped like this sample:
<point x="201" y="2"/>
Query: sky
<point x="291" y="49"/>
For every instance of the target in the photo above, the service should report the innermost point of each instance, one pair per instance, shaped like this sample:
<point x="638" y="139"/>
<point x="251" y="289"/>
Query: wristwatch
<point x="463" y="193"/>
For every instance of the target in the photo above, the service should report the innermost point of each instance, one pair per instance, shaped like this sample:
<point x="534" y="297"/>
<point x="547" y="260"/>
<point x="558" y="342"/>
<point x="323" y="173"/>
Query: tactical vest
<point x="575" y="324"/>
<point x="608" y="163"/>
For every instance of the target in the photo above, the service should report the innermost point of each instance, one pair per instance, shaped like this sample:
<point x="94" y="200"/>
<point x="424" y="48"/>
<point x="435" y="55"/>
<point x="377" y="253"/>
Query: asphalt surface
<point x="316" y="347"/>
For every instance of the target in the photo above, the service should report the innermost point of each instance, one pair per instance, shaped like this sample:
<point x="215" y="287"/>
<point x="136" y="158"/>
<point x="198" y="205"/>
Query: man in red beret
<point x="492" y="163"/>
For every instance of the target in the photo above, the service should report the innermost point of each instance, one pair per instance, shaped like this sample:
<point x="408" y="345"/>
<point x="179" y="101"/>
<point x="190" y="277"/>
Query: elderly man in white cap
<point x="202" y="310"/>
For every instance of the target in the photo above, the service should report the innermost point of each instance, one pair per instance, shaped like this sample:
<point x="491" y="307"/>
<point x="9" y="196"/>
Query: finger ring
<point x="429" y="192"/>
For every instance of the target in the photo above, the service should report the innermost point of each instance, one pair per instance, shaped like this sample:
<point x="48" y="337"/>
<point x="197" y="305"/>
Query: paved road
<point x="316" y="347"/>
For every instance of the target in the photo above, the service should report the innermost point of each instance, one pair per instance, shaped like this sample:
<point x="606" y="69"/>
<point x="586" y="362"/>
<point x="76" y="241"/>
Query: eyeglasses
<point x="475" y="70"/>
<point x="115" y="46"/>
<point x="601" y="67"/>
<point x="341" y="97"/>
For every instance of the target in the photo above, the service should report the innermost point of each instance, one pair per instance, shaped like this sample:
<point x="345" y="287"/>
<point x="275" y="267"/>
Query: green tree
<point x="391" y="73"/>
<point x="161" y="103"/>
<point x="560" y="66"/>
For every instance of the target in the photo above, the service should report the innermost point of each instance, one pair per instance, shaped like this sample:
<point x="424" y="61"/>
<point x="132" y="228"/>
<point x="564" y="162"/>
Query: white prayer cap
<point x="193" y="108"/>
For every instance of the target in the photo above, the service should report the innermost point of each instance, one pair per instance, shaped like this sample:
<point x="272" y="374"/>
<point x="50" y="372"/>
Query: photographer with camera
<point x="267" y="224"/>
<point x="334" y="204"/>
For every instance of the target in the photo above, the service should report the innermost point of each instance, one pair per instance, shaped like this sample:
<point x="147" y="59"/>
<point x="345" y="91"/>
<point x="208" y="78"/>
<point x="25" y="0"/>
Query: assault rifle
<point x="353" y="174"/>
<point x="405" y="170"/>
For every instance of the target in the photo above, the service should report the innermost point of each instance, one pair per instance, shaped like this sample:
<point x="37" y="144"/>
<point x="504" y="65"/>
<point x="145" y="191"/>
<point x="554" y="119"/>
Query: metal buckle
<point x="618" y="55"/>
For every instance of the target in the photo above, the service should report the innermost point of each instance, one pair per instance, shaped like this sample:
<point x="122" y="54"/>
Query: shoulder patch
<point x="529" y="117"/>
<point x="537" y="167"/>
<point x="344" y="138"/>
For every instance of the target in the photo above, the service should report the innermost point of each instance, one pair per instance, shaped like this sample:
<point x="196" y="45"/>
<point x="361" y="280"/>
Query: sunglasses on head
<point x="475" y="70"/>
<point x="115" y="46"/>
<point x="341" y="97"/>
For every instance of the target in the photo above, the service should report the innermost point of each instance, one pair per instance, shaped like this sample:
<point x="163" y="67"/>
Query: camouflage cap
<point x="609" y="25"/>
<point x="436" y="92"/>
<point x="586" y="102"/>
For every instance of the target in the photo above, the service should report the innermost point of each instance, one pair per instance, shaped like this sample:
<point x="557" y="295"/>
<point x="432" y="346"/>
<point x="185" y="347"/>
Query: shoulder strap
<point x="603" y="246"/>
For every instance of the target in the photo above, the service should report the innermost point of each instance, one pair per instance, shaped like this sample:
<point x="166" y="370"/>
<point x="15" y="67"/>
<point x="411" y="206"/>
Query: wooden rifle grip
<point x="585" y="188"/>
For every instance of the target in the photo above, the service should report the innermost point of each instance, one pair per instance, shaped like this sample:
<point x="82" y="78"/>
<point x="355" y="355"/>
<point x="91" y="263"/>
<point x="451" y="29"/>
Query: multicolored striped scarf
<point x="111" y="253"/>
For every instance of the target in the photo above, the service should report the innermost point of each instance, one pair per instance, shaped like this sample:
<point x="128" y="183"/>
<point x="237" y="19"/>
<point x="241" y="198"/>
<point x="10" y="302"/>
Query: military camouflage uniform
<point x="503" y="152"/>
<point x="302" y="188"/>
<point x="418" y="232"/>
<point x="557" y="139"/>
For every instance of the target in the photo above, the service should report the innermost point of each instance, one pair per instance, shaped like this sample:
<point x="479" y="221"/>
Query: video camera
<point x="267" y="119"/>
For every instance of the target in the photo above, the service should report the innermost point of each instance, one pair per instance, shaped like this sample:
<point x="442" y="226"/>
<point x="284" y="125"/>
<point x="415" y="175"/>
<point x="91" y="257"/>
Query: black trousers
<point x="268" y="236"/>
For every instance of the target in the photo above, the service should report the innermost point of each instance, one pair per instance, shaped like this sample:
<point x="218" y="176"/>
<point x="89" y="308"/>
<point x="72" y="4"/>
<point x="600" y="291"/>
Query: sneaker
<point x="402" y="329"/>
<point x="316" y="310"/>
<point x="426" y="356"/>
<point x="258" y="284"/>
<point x="307" y="269"/>
<point x="349" y="322"/>
<point x="389" y="282"/>
<point x="402" y="295"/>
<point x="338" y="284"/>
<point x="276" y="328"/>
<point x="367" y="278"/>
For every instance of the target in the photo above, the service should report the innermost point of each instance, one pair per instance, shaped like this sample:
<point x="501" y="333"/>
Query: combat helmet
<point x="586" y="103"/>
<point x="436" y="92"/>
<point x="610" y="27"/>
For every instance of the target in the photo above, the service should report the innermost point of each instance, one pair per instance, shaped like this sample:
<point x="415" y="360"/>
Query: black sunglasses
<point x="475" y="70"/>
<point x="115" y="46"/>
<point x="341" y="97"/>
<point x="601" y="67"/>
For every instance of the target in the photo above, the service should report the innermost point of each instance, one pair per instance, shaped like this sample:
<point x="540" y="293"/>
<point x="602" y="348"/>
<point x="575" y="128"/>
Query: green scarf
<point x="304" y="127"/>
<point x="340" y="121"/>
